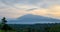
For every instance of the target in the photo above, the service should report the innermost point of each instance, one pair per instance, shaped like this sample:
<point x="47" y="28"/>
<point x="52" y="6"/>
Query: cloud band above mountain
<point x="17" y="8"/>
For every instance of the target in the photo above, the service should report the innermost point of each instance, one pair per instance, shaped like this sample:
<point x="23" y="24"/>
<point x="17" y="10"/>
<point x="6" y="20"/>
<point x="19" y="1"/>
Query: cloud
<point x="52" y="11"/>
<point x="25" y="7"/>
<point x="11" y="12"/>
<point x="17" y="8"/>
<point x="39" y="11"/>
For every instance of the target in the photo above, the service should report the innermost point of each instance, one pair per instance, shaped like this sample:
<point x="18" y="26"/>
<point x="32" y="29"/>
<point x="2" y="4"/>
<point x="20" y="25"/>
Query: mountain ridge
<point x="29" y="18"/>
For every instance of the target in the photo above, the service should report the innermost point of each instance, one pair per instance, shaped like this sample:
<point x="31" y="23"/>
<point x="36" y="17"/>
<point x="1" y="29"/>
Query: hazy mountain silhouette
<point x="30" y="19"/>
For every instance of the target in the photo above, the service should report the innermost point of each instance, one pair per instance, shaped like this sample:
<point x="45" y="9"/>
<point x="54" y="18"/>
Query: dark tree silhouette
<point x="4" y="21"/>
<point x="5" y="26"/>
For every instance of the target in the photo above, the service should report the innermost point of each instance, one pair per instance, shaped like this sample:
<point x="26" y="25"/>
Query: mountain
<point x="31" y="19"/>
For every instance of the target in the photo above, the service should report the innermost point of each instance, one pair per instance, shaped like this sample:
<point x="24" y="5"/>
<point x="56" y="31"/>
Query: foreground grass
<point x="7" y="31"/>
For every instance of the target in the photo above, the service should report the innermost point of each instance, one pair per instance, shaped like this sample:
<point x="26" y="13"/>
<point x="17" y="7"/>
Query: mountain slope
<point x="30" y="19"/>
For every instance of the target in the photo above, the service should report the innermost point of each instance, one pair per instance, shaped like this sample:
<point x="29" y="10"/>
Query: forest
<point x="38" y="27"/>
<point x="50" y="27"/>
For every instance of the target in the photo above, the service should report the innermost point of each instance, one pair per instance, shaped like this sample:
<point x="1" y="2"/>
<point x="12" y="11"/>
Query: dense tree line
<point x="34" y="28"/>
<point x="29" y="28"/>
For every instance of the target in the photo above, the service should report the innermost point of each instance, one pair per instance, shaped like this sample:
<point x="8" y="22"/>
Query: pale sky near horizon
<point x="18" y="8"/>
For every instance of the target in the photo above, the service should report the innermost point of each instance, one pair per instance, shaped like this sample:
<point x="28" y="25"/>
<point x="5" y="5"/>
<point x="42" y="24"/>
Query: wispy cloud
<point x="52" y="11"/>
<point x="17" y="8"/>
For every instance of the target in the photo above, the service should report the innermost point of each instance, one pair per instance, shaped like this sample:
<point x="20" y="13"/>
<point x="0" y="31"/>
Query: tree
<point x="4" y="25"/>
<point x="55" y="28"/>
<point x="4" y="21"/>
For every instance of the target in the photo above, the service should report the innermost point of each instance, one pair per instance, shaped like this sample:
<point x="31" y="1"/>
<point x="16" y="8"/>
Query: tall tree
<point x="4" y="25"/>
<point x="4" y="21"/>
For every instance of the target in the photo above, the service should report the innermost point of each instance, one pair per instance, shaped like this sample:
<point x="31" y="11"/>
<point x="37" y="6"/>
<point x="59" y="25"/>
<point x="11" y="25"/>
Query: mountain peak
<point x="30" y="19"/>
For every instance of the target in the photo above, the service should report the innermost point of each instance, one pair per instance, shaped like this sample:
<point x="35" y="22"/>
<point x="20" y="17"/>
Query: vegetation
<point x="52" y="27"/>
<point x="36" y="27"/>
<point x="55" y="28"/>
<point x="4" y="27"/>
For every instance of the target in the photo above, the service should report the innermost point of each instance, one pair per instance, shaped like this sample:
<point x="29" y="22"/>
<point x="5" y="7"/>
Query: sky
<point x="18" y="8"/>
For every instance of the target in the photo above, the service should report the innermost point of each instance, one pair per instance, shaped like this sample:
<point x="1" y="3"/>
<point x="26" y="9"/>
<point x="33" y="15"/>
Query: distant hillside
<point x="31" y="19"/>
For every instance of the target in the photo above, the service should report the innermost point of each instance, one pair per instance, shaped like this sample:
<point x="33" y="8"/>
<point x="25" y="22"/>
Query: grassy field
<point x="7" y="31"/>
